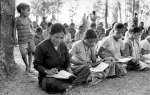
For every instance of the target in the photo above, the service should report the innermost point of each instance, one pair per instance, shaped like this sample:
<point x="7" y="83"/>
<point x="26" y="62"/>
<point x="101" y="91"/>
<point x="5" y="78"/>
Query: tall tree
<point x="7" y="15"/>
<point x="106" y="13"/>
<point x="73" y="9"/>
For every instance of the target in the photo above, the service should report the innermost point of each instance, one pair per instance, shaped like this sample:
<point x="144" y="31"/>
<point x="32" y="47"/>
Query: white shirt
<point x="145" y="44"/>
<point x="80" y="52"/>
<point x="112" y="45"/>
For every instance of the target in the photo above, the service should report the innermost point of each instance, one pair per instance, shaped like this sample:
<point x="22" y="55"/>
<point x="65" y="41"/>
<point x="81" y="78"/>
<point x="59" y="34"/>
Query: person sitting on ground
<point x="44" y="23"/>
<point x="46" y="32"/>
<point x="125" y="28"/>
<point x="132" y="49"/>
<point x="83" y="53"/>
<point x="100" y="31"/>
<point x="79" y="35"/>
<point x="93" y="26"/>
<point x="67" y="37"/>
<point x="109" y="49"/>
<point x="38" y="36"/>
<point x="72" y="30"/>
<point x="51" y="56"/>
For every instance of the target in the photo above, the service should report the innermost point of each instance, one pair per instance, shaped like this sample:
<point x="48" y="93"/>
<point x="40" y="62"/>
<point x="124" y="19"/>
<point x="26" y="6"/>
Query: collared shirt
<point x="112" y="45"/>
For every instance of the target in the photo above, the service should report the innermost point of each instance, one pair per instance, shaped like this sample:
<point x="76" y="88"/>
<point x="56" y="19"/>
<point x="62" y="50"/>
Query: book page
<point x="123" y="60"/>
<point x="61" y="75"/>
<point x="100" y="68"/>
<point x="147" y="56"/>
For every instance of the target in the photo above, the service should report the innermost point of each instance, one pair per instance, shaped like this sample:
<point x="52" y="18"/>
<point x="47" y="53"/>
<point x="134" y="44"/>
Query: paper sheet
<point x="100" y="68"/>
<point x="147" y="56"/>
<point x="61" y="75"/>
<point x="123" y="60"/>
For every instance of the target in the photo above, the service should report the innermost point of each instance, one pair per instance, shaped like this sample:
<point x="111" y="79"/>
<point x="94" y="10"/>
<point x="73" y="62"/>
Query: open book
<point x="100" y="68"/>
<point x="61" y="75"/>
<point x="147" y="56"/>
<point x="124" y="60"/>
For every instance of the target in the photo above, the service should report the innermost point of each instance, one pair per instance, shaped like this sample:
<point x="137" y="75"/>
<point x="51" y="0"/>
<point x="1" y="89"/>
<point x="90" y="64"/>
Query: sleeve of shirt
<point x="73" y="50"/>
<point x="76" y="36"/>
<point x="144" y="45"/>
<point x="127" y="49"/>
<point x="104" y="43"/>
<point x="39" y="59"/>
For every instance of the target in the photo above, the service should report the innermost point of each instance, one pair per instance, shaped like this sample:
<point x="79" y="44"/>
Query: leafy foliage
<point x="46" y="7"/>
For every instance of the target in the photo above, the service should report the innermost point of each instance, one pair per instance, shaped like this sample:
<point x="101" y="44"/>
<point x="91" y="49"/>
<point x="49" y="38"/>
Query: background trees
<point x="44" y="8"/>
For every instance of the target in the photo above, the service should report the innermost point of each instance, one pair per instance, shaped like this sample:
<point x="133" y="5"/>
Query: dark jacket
<point x="46" y="58"/>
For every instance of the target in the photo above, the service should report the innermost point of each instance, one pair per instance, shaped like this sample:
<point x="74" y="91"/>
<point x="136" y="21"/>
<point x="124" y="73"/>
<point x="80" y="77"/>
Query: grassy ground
<point x="135" y="83"/>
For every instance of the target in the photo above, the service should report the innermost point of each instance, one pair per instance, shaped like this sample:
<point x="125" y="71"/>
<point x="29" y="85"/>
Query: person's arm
<point x="126" y="52"/>
<point x="39" y="60"/>
<point x="73" y="58"/>
<point x="93" y="54"/>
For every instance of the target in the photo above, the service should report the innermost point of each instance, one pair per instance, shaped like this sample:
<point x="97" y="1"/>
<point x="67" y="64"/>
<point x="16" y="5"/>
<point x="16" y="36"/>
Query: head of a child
<point x="118" y="30"/>
<point x="90" y="38"/>
<point x="81" y="28"/>
<point x="72" y="25"/>
<point x="134" y="32"/>
<point x="66" y="27"/>
<point x="93" y="26"/>
<point x="23" y="9"/>
<point x="39" y="31"/>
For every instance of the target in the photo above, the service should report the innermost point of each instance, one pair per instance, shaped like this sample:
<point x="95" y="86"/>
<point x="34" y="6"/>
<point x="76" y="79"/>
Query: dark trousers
<point x="53" y="85"/>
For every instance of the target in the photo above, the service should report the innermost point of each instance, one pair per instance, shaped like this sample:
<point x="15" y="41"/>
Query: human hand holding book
<point x="52" y="71"/>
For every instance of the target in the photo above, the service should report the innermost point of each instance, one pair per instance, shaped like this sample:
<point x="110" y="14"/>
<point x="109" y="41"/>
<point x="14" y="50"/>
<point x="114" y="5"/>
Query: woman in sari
<point x="51" y="56"/>
<point x="109" y="49"/>
<point x="132" y="49"/>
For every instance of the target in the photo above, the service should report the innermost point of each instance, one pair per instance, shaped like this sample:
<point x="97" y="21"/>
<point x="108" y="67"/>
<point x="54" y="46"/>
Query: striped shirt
<point x="23" y="26"/>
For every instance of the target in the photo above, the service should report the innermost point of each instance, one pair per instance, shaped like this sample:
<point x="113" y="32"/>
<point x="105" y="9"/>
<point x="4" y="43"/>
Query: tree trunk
<point x="106" y="14"/>
<point x="6" y="43"/>
<point x="133" y="7"/>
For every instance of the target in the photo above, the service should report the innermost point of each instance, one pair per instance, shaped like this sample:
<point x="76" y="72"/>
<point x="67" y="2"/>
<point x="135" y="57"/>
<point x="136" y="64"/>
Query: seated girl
<point x="51" y="56"/>
<point x="109" y="49"/>
<point x="83" y="52"/>
<point x="132" y="48"/>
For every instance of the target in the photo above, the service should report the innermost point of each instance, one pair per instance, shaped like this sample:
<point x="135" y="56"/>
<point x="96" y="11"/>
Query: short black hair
<point x="57" y="28"/>
<point x="22" y="6"/>
<point x="39" y="29"/>
<point x="93" y="25"/>
<point x="90" y="34"/>
<point x="134" y="30"/>
<point x="49" y="24"/>
<point x="94" y="12"/>
<point x="118" y="26"/>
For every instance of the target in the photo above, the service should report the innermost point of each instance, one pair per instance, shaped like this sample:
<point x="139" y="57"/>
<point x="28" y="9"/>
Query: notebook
<point x="100" y="68"/>
<point x="61" y="75"/>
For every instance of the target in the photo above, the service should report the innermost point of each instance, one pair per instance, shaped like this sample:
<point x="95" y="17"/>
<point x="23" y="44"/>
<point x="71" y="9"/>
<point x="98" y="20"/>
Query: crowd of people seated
<point x="58" y="47"/>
